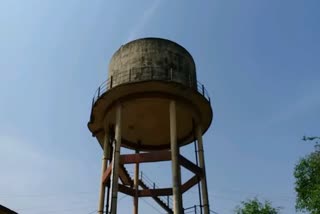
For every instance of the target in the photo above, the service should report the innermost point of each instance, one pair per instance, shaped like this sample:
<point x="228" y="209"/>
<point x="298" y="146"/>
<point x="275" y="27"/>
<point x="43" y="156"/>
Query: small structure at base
<point x="5" y="210"/>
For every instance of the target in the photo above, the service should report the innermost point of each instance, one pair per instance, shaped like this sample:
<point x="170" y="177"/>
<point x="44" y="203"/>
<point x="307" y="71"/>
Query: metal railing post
<point x="156" y="73"/>
<point x="202" y="89"/>
<point x="111" y="81"/>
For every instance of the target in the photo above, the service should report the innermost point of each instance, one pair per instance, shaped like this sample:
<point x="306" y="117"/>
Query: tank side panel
<point x="152" y="59"/>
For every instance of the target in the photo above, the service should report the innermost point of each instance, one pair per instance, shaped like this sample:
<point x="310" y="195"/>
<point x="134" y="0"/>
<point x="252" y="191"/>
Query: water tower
<point x="152" y="104"/>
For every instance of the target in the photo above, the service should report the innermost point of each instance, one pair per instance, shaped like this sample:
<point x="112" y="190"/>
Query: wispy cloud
<point x="146" y="16"/>
<point x="307" y="102"/>
<point x="29" y="173"/>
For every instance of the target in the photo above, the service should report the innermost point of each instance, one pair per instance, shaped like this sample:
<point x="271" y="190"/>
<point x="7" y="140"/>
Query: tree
<point x="254" y="206"/>
<point x="307" y="186"/>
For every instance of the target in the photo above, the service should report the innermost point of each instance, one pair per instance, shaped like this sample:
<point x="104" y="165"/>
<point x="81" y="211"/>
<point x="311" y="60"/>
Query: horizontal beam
<point x="126" y="190"/>
<point x="155" y="192"/>
<point x="147" y="192"/>
<point x="145" y="157"/>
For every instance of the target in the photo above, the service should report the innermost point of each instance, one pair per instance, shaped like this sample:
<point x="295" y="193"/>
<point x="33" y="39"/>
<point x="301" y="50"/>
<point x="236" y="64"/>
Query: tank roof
<point x="159" y="39"/>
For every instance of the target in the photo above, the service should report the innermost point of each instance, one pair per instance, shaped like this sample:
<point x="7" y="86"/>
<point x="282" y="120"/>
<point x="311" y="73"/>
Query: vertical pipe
<point x="204" y="187"/>
<point x="176" y="176"/>
<point x="197" y="162"/>
<point x="103" y="169"/>
<point x="116" y="159"/>
<point x="113" y="145"/>
<point x="202" y="89"/>
<point x="136" y="188"/>
<point x="108" y="195"/>
<point x="199" y="188"/>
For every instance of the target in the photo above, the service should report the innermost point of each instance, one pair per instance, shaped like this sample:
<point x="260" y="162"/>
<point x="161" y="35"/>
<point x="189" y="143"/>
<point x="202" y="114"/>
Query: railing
<point x="141" y="74"/>
<point x="152" y="185"/>
<point x="165" y="199"/>
<point x="196" y="209"/>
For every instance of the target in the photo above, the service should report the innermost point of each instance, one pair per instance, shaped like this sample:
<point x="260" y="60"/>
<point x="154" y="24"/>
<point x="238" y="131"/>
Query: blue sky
<point x="259" y="60"/>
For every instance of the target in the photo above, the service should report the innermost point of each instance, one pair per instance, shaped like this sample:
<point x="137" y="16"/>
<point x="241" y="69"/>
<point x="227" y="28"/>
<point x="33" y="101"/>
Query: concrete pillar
<point x="103" y="169"/>
<point x="115" y="162"/>
<point x="204" y="188"/>
<point x="136" y="188"/>
<point x="176" y="174"/>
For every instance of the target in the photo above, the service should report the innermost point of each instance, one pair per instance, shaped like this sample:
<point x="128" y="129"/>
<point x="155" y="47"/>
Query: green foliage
<point x="307" y="174"/>
<point x="254" y="206"/>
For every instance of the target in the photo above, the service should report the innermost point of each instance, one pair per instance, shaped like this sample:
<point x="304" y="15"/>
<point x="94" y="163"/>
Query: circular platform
<point x="145" y="114"/>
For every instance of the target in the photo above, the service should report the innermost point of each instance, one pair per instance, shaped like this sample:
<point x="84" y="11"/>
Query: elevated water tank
<point x="144" y="75"/>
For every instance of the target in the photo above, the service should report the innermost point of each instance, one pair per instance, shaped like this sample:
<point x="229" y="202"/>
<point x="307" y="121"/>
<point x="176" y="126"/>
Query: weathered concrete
<point x="136" y="187"/>
<point x="145" y="75"/>
<point x="176" y="172"/>
<point x="103" y="169"/>
<point x="204" y="187"/>
<point x="152" y="85"/>
<point x="152" y="59"/>
<point x="116" y="160"/>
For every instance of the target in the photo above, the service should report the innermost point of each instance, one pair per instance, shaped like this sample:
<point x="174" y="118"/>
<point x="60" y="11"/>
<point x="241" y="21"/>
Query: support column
<point x="204" y="188"/>
<point x="115" y="162"/>
<point x="176" y="174"/>
<point x="136" y="188"/>
<point x="103" y="169"/>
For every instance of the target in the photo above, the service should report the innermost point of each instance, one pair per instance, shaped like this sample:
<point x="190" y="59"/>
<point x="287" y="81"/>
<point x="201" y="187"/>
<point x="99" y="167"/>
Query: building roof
<point x="5" y="210"/>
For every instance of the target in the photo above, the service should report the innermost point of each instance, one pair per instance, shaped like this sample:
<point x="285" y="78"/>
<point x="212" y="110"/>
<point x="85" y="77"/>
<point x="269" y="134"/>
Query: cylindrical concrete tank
<point x="152" y="59"/>
<point x="144" y="76"/>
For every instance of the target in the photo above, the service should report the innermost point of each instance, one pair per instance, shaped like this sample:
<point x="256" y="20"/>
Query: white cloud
<point x="34" y="178"/>
<point x="306" y="102"/>
<point x="23" y="166"/>
<point x="146" y="16"/>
